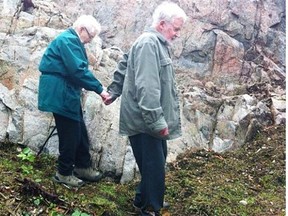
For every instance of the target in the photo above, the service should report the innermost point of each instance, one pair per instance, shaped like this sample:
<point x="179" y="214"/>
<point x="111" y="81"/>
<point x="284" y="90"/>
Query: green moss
<point x="249" y="181"/>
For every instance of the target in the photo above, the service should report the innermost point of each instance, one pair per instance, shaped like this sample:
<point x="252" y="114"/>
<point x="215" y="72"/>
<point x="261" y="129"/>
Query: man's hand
<point x="106" y="97"/>
<point x="108" y="100"/>
<point x="164" y="132"/>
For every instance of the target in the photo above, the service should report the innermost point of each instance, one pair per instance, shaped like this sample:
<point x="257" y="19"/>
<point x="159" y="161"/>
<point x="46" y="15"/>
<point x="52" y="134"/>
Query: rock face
<point x="230" y="64"/>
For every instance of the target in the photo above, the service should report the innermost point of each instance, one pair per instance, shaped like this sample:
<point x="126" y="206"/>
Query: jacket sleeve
<point x="76" y="62"/>
<point x="116" y="87"/>
<point x="148" y="87"/>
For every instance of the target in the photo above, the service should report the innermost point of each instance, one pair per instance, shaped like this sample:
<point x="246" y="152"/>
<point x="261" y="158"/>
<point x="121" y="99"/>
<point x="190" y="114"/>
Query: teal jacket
<point x="145" y="80"/>
<point x="64" y="72"/>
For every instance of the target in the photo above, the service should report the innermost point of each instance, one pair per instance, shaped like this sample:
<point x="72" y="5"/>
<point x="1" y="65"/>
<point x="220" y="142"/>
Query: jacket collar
<point x="72" y="31"/>
<point x="158" y="34"/>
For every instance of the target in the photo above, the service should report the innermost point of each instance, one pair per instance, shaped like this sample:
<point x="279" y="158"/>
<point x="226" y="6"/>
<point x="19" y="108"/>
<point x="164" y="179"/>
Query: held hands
<point x="106" y="97"/>
<point x="108" y="100"/>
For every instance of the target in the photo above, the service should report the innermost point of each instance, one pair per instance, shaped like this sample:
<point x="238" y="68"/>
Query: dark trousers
<point x="73" y="144"/>
<point x="150" y="154"/>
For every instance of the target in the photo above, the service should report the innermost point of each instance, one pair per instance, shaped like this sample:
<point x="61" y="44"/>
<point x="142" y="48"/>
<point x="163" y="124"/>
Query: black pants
<point x="150" y="154"/>
<point x="73" y="144"/>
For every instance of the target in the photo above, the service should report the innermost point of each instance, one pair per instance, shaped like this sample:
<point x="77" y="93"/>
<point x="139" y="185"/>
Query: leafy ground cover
<point x="248" y="181"/>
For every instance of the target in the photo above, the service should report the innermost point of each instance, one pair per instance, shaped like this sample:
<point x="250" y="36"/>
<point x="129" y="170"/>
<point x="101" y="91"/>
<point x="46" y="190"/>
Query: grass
<point x="249" y="181"/>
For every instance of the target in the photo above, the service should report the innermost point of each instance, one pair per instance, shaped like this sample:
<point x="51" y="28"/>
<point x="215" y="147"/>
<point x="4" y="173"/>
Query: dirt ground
<point x="248" y="181"/>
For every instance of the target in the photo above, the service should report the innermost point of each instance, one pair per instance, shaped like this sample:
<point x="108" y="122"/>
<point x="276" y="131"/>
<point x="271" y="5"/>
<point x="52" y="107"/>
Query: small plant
<point x="27" y="155"/>
<point x="27" y="169"/>
<point x="37" y="201"/>
<point x="79" y="213"/>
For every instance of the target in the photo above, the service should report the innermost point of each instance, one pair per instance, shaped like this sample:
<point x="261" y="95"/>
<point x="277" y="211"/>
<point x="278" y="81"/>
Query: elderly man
<point x="64" y="72"/>
<point x="149" y="113"/>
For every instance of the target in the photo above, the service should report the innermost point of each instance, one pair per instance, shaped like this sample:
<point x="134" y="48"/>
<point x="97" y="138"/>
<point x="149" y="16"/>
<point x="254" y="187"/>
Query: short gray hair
<point x="167" y="11"/>
<point x="88" y="22"/>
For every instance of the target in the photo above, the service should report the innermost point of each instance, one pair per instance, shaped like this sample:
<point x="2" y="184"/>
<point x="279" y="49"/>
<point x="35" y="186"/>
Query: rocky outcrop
<point x="230" y="63"/>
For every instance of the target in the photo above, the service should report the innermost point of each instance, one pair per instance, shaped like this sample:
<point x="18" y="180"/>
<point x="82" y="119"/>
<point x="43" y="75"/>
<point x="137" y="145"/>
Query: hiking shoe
<point x="137" y="207"/>
<point x="150" y="213"/>
<point x="166" y="205"/>
<point x="88" y="174"/>
<point x="69" y="180"/>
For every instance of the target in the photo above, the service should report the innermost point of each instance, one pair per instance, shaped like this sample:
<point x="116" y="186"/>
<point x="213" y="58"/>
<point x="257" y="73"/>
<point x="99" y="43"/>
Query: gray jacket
<point x="145" y="78"/>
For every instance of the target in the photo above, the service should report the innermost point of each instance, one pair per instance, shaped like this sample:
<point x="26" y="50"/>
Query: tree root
<point x="32" y="188"/>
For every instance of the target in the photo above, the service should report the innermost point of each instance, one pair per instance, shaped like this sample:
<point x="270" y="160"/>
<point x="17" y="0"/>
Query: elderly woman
<point x="64" y="72"/>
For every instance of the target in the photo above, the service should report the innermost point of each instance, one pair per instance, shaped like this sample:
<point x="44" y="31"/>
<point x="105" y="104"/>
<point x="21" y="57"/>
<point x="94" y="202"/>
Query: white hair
<point x="88" y="22"/>
<point x="167" y="11"/>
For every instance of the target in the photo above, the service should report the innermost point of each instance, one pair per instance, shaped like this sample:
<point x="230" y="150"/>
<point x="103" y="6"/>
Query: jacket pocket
<point x="50" y="93"/>
<point x="165" y="62"/>
<point x="72" y="98"/>
<point x="166" y="72"/>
